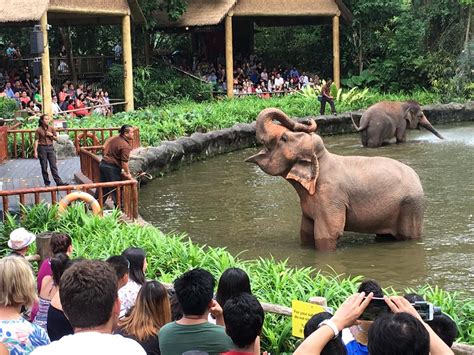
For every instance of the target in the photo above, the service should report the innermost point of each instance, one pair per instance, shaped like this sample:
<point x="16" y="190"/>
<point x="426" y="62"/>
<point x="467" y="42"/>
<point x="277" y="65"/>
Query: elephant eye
<point x="284" y="138"/>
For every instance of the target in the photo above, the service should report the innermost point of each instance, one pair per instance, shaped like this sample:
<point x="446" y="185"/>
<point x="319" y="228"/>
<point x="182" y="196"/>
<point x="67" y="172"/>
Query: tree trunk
<point x="361" y="59"/>
<point x="66" y="36"/>
<point x="468" y="28"/>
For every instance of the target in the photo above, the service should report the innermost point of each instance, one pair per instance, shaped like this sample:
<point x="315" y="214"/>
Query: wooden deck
<point x="26" y="173"/>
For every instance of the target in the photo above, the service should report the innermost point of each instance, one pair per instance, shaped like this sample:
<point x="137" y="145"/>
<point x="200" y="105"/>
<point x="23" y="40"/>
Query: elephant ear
<point x="306" y="172"/>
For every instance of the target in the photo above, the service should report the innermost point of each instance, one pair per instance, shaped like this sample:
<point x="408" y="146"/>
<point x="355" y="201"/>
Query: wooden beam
<point x="229" y="56"/>
<point x="46" y="73"/>
<point x="127" y="63"/>
<point x="336" y="61"/>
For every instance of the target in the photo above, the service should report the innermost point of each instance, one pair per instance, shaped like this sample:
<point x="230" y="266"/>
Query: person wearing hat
<point x="20" y="240"/>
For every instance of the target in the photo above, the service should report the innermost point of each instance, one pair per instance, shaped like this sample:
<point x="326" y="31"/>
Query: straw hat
<point x="20" y="238"/>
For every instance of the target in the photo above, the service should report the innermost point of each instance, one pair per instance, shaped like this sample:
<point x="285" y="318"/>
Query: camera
<point x="426" y="310"/>
<point x="377" y="307"/>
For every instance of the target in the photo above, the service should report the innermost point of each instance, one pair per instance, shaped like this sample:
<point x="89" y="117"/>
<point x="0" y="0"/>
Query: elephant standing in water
<point x="337" y="193"/>
<point x="386" y="120"/>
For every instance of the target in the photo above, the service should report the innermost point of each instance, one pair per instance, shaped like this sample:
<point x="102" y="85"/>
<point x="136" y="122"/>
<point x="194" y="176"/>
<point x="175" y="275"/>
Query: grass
<point x="186" y="117"/>
<point x="169" y="255"/>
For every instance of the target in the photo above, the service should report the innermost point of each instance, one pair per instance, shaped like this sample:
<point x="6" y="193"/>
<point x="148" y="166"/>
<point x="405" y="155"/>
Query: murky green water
<point x="226" y="202"/>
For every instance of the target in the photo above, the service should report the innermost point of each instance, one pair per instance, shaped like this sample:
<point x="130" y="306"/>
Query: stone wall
<point x="170" y="155"/>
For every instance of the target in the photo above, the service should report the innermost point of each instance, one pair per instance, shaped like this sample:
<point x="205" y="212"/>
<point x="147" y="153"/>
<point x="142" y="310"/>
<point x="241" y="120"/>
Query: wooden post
<point x="229" y="60"/>
<point x="127" y="63"/>
<point x="335" y="52"/>
<point x="46" y="73"/>
<point x="43" y="248"/>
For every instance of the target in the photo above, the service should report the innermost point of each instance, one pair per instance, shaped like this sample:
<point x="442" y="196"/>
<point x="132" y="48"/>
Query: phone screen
<point x="376" y="307"/>
<point x="425" y="310"/>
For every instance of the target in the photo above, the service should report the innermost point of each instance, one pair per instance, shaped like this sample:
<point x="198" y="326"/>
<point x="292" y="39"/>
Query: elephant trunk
<point x="426" y="124"/>
<point x="267" y="131"/>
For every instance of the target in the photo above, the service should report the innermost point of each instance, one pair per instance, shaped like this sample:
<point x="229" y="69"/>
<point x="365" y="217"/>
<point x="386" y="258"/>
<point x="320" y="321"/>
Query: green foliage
<point x="157" y="85"/>
<point x="169" y="255"/>
<point x="186" y="117"/>
<point x="7" y="108"/>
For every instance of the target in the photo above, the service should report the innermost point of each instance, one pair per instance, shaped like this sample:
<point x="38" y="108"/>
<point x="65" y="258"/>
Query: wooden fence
<point x="90" y="162"/>
<point x="23" y="139"/>
<point x="127" y="195"/>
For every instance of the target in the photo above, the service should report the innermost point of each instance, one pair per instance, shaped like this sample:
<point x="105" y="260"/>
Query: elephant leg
<point x="307" y="231"/>
<point x="401" y="135"/>
<point x="328" y="228"/>
<point x="410" y="219"/>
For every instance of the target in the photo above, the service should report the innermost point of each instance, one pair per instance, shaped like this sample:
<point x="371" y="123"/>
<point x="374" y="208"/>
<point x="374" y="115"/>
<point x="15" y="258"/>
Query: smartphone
<point x="426" y="310"/>
<point x="375" y="308"/>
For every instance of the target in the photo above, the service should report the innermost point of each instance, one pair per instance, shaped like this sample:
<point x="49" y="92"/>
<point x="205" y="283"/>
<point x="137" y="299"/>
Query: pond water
<point x="228" y="203"/>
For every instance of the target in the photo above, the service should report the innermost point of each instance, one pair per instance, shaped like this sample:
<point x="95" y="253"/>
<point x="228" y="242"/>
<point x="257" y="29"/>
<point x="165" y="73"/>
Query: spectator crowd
<point x="251" y="76"/>
<point x="80" y="306"/>
<point x="74" y="99"/>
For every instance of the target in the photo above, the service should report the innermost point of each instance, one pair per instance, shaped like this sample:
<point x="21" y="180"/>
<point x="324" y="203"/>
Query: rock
<point x="64" y="147"/>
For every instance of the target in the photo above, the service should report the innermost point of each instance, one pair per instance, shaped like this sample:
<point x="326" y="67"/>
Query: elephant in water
<point x="337" y="193"/>
<point x="386" y="120"/>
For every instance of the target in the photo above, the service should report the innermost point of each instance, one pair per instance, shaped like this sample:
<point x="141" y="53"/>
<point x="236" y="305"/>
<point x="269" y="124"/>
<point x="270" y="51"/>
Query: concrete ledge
<point x="171" y="155"/>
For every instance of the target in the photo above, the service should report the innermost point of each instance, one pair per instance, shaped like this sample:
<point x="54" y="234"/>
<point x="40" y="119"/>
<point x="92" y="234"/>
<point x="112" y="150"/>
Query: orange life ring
<point x="80" y="195"/>
<point x="80" y="138"/>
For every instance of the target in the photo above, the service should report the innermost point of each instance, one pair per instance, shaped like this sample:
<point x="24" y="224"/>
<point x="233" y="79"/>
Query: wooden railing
<point x="127" y="195"/>
<point x="24" y="138"/>
<point x="90" y="162"/>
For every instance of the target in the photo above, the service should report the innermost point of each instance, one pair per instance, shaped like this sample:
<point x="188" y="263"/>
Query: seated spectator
<point x="136" y="278"/>
<point x="32" y="109"/>
<point x="49" y="289"/>
<point x="24" y="97"/>
<point x="19" y="242"/>
<point x="17" y="290"/>
<point x="88" y="291"/>
<point x="79" y="104"/>
<point x="335" y="346"/>
<point x="193" y="333"/>
<point x="70" y="107"/>
<point x="8" y="90"/>
<point x="355" y="337"/>
<point x="54" y="106"/>
<point x="243" y="316"/>
<point x="151" y="312"/>
<point x="121" y="265"/>
<point x="62" y="95"/>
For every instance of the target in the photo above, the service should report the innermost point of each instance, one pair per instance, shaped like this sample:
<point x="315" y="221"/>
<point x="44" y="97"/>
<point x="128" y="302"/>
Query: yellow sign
<point x="301" y="313"/>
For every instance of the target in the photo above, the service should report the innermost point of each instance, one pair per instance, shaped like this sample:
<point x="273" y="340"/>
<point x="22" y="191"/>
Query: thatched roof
<point x="198" y="13"/>
<point x="211" y="12"/>
<point x="286" y="8"/>
<point x="22" y="10"/>
<point x="19" y="11"/>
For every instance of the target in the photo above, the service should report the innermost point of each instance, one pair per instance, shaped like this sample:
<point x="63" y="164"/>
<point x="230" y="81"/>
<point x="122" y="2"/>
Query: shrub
<point x="7" y="108"/>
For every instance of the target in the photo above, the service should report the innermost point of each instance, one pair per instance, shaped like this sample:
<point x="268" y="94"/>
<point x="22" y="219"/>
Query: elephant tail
<point x="358" y="128"/>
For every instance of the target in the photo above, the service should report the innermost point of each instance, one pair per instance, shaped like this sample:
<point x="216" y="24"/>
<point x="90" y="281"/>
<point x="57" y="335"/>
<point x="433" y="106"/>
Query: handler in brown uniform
<point x="44" y="150"/>
<point x="114" y="163"/>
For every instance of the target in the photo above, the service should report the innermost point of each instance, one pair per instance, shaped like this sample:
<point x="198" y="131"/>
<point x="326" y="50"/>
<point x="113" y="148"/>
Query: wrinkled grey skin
<point x="386" y="120"/>
<point x="337" y="193"/>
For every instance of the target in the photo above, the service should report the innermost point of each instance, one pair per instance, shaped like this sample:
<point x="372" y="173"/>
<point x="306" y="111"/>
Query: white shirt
<point x="91" y="343"/>
<point x="128" y="295"/>
<point x="55" y="108"/>
<point x="279" y="81"/>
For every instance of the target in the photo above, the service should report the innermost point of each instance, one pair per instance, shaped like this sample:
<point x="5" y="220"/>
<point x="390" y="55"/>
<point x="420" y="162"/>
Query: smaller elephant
<point x="386" y="120"/>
